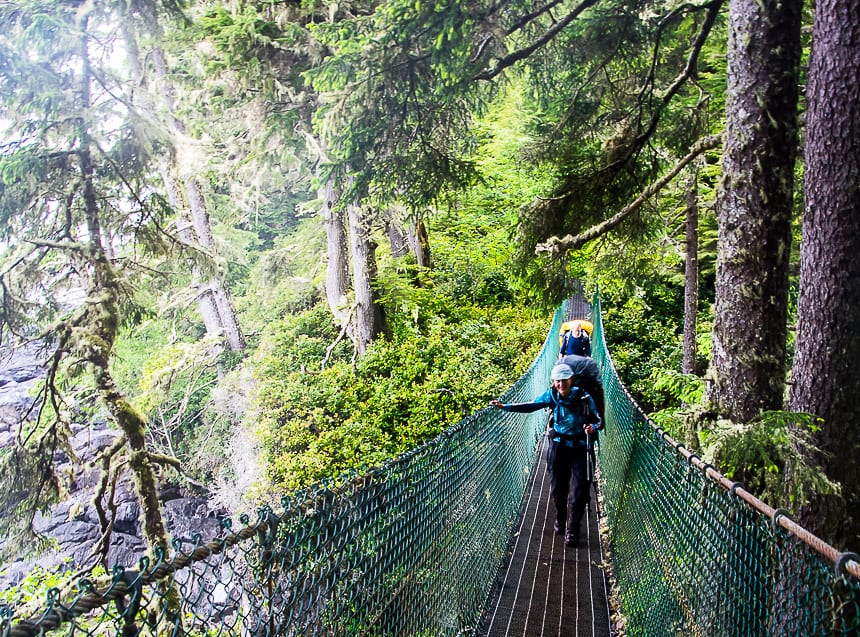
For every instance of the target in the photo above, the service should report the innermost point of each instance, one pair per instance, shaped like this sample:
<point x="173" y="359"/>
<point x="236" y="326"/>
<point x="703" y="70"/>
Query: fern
<point x="769" y="455"/>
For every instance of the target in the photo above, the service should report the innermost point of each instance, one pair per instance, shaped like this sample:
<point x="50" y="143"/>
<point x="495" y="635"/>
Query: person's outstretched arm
<point x="541" y="402"/>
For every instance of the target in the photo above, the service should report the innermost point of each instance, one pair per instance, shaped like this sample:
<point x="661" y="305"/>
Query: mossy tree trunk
<point x="691" y="277"/>
<point x="824" y="374"/>
<point x="337" y="264"/>
<point x="754" y="207"/>
<point x="90" y="333"/>
<point x="369" y="319"/>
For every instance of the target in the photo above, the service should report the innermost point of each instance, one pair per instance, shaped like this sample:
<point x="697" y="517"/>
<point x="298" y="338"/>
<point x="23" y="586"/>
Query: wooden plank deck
<point x="546" y="588"/>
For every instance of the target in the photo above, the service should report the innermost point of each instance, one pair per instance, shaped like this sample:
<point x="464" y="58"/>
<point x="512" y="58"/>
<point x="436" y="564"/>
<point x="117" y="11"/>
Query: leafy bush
<point x="644" y="339"/>
<point x="769" y="456"/>
<point x="318" y="423"/>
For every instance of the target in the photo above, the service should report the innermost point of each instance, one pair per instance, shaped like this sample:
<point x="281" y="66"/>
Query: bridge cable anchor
<point x="841" y="565"/>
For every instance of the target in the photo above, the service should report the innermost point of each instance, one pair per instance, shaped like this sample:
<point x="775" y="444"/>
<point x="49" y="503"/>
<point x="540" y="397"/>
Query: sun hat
<point x="560" y="372"/>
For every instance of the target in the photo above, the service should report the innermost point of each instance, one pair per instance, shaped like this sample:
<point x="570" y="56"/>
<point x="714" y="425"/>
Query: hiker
<point x="570" y="452"/>
<point x="586" y="374"/>
<point x="575" y="341"/>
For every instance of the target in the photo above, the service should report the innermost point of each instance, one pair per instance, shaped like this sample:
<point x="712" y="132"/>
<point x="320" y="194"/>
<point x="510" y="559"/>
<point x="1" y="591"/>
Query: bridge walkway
<point x="547" y="589"/>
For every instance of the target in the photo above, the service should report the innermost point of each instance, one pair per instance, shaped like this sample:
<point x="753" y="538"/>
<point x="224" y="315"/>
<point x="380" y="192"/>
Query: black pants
<point x="570" y="482"/>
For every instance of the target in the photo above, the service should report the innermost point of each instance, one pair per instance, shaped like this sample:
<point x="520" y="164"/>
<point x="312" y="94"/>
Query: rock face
<point x="74" y="523"/>
<point x="19" y="373"/>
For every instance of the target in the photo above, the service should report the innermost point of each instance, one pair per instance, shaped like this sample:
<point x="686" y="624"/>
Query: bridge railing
<point x="409" y="548"/>
<point x="696" y="554"/>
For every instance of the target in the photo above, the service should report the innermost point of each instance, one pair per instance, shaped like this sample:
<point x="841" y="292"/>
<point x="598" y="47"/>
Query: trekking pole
<point x="590" y="467"/>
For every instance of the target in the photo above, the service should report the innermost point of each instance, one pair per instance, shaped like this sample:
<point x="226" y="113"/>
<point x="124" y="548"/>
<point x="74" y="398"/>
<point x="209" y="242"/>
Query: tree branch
<point x="519" y="24"/>
<point x="343" y="330"/>
<point x="523" y="53"/>
<point x="554" y="245"/>
<point x="109" y="476"/>
<point x="176" y="463"/>
<point x="712" y="10"/>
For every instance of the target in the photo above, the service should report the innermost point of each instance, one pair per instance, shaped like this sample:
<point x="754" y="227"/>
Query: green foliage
<point x="288" y="277"/>
<point x="770" y="456"/>
<point x="609" y="130"/>
<point x="318" y="423"/>
<point x="643" y="332"/>
<point x="35" y="587"/>
<point x="132" y="349"/>
<point x="686" y="388"/>
<point x="393" y="89"/>
<point x="172" y="382"/>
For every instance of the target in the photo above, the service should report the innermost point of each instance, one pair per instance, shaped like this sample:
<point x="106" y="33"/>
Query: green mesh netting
<point x="413" y="547"/>
<point x="694" y="554"/>
<point x="410" y="548"/>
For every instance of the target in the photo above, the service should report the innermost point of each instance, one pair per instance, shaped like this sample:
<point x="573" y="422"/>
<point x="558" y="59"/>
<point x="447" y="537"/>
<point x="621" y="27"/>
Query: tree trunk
<point x="407" y="235"/>
<point x="92" y="331"/>
<point x="205" y="298"/>
<point x="419" y="242"/>
<point x="397" y="236"/>
<point x="200" y="218"/>
<point x="369" y="320"/>
<point x="337" y="264"/>
<point x="691" y="277"/>
<point x="754" y="206"/>
<point x="824" y="374"/>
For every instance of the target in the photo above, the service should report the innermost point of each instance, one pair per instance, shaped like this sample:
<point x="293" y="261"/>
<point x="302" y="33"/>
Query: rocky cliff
<point x="73" y="523"/>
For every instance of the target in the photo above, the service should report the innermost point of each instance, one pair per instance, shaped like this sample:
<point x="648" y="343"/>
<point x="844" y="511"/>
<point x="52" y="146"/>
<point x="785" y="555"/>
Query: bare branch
<point x="712" y="10"/>
<point x="343" y="330"/>
<point x="59" y="245"/>
<point x="519" y="24"/>
<point x="175" y="463"/>
<point x="109" y="475"/>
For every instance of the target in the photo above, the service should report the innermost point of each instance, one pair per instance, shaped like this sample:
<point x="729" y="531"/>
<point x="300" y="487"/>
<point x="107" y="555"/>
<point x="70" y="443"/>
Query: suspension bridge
<point x="455" y="538"/>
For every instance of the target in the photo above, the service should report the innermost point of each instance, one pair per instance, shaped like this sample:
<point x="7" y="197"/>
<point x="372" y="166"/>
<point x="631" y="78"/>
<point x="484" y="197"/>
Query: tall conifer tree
<point x="754" y="207"/>
<point x="824" y="379"/>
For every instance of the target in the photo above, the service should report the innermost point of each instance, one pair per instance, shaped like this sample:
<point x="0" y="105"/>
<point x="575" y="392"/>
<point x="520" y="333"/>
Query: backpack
<point x="587" y="327"/>
<point x="581" y="409"/>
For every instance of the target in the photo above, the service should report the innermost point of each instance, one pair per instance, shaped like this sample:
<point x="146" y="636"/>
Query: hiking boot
<point x="571" y="538"/>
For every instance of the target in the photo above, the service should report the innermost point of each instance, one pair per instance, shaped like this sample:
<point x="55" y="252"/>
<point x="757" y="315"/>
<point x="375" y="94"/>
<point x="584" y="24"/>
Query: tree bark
<point x="369" y="320"/>
<point x="205" y="298"/>
<point x="92" y="330"/>
<point x="824" y="379"/>
<point x="407" y="235"/>
<point x="691" y="277"/>
<point x="419" y="242"/>
<point x="200" y="217"/>
<point x="754" y="206"/>
<point x="337" y="265"/>
<point x="397" y="236"/>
